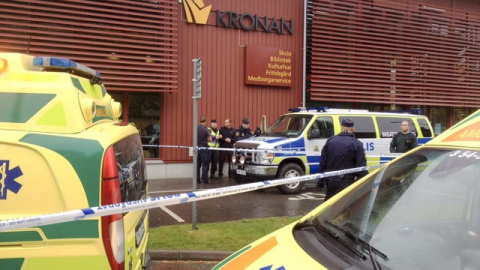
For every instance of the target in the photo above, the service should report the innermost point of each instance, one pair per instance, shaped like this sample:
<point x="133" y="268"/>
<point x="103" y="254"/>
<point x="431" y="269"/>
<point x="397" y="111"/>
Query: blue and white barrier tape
<point x="112" y="209"/>
<point x="283" y="151"/>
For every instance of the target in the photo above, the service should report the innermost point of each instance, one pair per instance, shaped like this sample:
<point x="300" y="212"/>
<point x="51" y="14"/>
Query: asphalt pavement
<point x="262" y="203"/>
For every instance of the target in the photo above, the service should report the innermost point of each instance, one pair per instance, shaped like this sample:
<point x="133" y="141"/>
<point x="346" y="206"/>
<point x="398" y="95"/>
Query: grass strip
<point x="228" y="236"/>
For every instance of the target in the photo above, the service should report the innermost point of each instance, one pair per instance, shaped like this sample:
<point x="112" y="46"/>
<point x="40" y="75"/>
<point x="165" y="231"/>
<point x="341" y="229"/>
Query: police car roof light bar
<point x="412" y="111"/>
<point x="63" y="64"/>
<point x="307" y="109"/>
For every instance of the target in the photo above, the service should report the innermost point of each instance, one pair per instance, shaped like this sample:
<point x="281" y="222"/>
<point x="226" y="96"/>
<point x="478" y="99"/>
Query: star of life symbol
<point x="7" y="179"/>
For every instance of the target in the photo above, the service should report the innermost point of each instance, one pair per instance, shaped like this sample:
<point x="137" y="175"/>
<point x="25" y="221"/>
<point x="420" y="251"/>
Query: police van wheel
<point x="238" y="181"/>
<point x="291" y="170"/>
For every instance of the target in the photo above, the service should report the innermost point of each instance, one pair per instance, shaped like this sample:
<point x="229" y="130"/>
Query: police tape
<point x="105" y="210"/>
<point x="291" y="151"/>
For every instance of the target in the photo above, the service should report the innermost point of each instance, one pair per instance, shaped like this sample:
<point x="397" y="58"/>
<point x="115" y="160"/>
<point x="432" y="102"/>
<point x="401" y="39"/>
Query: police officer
<point x="214" y="143"/>
<point x="243" y="131"/>
<point x="228" y="133"/>
<point x="342" y="151"/>
<point x="203" y="138"/>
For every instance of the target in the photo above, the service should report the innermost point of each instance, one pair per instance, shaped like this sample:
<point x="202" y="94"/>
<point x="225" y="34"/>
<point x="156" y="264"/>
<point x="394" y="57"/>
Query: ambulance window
<point x="131" y="164"/>
<point x="389" y="126"/>
<point x="424" y="127"/>
<point x="364" y="127"/>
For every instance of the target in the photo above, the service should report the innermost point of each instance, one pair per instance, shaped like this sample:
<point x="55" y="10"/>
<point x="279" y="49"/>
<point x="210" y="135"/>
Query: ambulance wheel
<point x="287" y="171"/>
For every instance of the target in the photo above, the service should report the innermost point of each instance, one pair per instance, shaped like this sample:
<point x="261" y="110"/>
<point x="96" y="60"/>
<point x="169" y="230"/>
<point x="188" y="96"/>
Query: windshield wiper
<point x="335" y="236"/>
<point x="359" y="241"/>
<point x="365" y="244"/>
<point x="274" y="134"/>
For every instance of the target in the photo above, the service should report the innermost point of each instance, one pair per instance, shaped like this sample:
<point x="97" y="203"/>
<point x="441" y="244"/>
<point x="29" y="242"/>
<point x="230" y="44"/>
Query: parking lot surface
<point x="254" y="204"/>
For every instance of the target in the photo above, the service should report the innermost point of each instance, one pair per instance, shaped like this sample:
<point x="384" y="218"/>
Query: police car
<point x="420" y="211"/>
<point x="292" y="145"/>
<point x="63" y="148"/>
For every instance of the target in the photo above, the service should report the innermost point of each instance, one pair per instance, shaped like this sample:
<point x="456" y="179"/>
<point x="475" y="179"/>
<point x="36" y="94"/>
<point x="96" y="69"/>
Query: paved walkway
<point x="183" y="265"/>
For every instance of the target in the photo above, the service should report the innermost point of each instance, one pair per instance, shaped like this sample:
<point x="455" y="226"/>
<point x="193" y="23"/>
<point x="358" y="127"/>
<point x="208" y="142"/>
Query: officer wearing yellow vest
<point x="213" y="154"/>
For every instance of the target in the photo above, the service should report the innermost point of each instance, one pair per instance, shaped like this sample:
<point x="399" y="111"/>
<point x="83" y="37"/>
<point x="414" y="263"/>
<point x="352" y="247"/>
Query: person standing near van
<point x="403" y="141"/>
<point x="243" y="131"/>
<point x="214" y="143"/>
<point x="228" y="134"/>
<point x="342" y="151"/>
<point x="203" y="137"/>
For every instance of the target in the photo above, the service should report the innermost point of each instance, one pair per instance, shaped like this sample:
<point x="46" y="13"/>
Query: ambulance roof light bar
<point x="63" y="64"/>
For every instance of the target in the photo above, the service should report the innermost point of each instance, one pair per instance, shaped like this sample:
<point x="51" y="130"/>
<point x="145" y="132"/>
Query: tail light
<point x="112" y="226"/>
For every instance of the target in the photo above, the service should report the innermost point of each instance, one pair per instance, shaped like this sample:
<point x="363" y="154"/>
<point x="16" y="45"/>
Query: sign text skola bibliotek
<point x="268" y="66"/>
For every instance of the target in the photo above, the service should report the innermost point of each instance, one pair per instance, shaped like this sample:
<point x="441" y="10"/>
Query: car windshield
<point x="288" y="126"/>
<point x="422" y="211"/>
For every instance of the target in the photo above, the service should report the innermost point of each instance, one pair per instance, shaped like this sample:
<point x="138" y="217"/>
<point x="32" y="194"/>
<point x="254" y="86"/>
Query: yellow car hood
<point x="276" y="251"/>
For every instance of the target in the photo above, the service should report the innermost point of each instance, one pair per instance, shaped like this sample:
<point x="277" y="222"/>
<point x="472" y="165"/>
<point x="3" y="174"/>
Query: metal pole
<point x="197" y="77"/>
<point x="195" y="161"/>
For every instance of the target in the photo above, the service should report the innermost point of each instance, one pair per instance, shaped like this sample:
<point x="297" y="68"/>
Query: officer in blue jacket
<point x="342" y="151"/>
<point x="243" y="131"/>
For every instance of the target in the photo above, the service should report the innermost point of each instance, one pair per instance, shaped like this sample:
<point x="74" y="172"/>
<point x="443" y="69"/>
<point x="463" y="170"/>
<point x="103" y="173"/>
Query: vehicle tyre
<point x="238" y="181"/>
<point x="287" y="171"/>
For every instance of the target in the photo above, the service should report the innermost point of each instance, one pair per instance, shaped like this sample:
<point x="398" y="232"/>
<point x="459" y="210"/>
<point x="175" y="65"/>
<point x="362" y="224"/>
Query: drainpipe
<point x="304" y="72"/>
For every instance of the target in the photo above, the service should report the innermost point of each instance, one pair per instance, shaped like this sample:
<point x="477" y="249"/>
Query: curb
<point x="188" y="255"/>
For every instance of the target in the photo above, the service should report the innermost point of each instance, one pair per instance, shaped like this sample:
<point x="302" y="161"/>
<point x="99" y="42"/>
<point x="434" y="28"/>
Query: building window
<point x="143" y="112"/>
<point x="461" y="113"/>
<point x="438" y="119"/>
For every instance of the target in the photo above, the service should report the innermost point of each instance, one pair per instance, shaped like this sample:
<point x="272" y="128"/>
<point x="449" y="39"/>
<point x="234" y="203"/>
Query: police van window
<point x="389" y="126"/>
<point x="288" y="125"/>
<point x="424" y="127"/>
<point x="364" y="127"/>
<point x="325" y="126"/>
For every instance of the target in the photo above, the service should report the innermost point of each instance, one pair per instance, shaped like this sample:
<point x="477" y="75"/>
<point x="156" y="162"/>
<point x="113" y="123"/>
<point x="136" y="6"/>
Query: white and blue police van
<point x="292" y="145"/>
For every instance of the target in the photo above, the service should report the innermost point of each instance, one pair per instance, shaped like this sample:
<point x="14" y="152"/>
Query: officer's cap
<point x="245" y="121"/>
<point x="214" y="120"/>
<point x="347" y="122"/>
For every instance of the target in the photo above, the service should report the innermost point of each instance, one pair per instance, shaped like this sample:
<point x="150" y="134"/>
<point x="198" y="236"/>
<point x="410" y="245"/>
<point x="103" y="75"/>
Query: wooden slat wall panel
<point x="133" y="43"/>
<point x="395" y="52"/>
<point x="224" y="93"/>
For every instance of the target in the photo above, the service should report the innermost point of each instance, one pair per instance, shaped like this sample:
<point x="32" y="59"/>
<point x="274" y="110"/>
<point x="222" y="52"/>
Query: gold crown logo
<point x="196" y="11"/>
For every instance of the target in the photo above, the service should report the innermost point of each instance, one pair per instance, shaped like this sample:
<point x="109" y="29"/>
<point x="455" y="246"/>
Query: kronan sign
<point x="197" y="12"/>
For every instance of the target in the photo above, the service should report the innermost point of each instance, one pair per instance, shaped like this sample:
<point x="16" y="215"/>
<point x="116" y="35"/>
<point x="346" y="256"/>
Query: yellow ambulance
<point x="63" y="148"/>
<point x="419" y="211"/>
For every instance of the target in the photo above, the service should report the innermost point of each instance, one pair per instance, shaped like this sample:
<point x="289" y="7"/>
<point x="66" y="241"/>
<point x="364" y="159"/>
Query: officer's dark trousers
<point x="202" y="161"/>
<point x="213" y="157"/>
<point x="228" y="156"/>
<point x="335" y="185"/>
